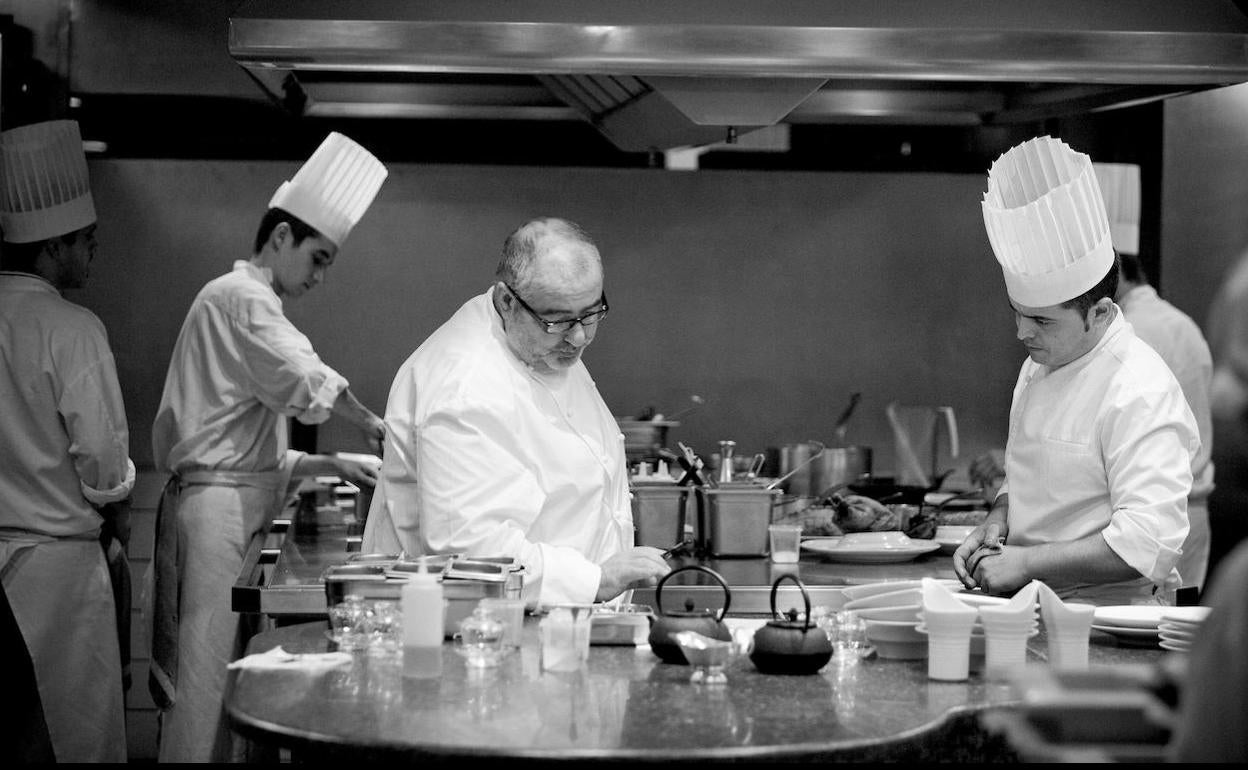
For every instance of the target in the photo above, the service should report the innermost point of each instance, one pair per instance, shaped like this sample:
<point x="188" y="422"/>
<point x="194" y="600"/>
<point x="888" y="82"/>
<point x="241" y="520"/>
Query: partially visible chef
<point x="1098" y="461"/>
<point x="64" y="456"/>
<point x="1179" y="342"/>
<point x="239" y="369"/>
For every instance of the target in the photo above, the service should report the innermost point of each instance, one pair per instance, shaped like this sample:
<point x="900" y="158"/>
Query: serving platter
<point x="832" y="549"/>
<point x="1130" y="634"/>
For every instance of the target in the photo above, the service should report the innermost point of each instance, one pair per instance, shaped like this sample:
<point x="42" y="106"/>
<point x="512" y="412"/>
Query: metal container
<point x="735" y="520"/>
<point x="839" y="465"/>
<point x="659" y="514"/>
<point x="644" y="438"/>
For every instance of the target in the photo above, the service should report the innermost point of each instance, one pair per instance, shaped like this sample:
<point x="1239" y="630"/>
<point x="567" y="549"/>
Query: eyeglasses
<point x="565" y="325"/>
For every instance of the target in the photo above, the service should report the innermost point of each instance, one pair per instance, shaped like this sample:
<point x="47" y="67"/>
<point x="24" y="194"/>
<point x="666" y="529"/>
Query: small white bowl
<point x="894" y="631"/>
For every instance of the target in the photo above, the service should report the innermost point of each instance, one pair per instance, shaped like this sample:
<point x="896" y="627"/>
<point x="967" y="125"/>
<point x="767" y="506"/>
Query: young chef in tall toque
<point x="1098" y="462"/>
<point x="1179" y="342"/>
<point x="239" y="369"/>
<point x="64" y="451"/>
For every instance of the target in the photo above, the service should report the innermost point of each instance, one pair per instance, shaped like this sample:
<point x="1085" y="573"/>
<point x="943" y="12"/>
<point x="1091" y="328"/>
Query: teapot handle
<point x="805" y="596"/>
<point x="658" y="589"/>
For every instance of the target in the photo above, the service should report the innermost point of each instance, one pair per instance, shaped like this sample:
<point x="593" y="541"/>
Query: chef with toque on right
<point x="1098" y="460"/>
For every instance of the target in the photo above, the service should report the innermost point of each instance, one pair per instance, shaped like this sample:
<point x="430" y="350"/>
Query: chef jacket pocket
<point x="1070" y="463"/>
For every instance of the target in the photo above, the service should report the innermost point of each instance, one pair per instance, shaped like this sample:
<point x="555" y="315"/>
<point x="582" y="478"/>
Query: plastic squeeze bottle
<point x="423" y="625"/>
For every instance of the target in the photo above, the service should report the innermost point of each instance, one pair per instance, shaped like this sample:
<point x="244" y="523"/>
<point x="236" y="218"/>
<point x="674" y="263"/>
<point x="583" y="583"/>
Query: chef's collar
<point x="40" y="281"/>
<point x="259" y="272"/>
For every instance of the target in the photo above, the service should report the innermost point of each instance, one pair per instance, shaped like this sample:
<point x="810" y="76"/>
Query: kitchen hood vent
<point x="657" y="74"/>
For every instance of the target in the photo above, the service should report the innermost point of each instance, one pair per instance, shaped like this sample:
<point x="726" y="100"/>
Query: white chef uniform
<point x="1179" y="341"/>
<point x="1104" y="443"/>
<point x="64" y="448"/>
<point x="487" y="457"/>
<point x="238" y="370"/>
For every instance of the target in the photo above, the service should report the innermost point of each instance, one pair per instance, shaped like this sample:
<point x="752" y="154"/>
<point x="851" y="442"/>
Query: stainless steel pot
<point x="812" y="476"/>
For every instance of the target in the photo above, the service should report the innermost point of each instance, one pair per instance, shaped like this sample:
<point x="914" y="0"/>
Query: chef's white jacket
<point x="1104" y="445"/>
<point x="1179" y="342"/>
<point x="485" y="456"/>
<point x="239" y="368"/>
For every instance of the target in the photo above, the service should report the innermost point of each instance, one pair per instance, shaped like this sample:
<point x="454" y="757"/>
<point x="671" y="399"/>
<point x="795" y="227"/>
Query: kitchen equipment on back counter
<point x="667" y="624"/>
<point x="659" y="513"/>
<point x="735" y="519"/>
<point x="918" y="441"/>
<point x="788" y="645"/>
<point x="645" y="436"/>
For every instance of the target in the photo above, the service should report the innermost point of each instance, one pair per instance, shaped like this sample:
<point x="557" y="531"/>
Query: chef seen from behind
<point x="497" y="441"/>
<point x="65" y="470"/>
<point x="1098" y="461"/>
<point x="239" y="369"/>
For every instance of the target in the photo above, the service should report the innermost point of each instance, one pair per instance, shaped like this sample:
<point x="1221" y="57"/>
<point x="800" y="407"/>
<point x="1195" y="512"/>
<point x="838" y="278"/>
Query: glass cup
<point x="480" y="639"/>
<point x="785" y="541"/>
<point x="348" y="621"/>
<point x="384" y="627"/>
<point x="510" y="612"/>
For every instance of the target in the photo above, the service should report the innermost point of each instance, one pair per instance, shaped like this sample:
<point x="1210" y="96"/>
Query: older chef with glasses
<point x="497" y="441"/>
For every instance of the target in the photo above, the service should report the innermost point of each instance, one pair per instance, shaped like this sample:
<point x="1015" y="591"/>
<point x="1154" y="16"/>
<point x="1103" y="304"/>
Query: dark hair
<point x="298" y="228"/>
<point x="1106" y="287"/>
<point x="521" y="247"/>
<point x="21" y="257"/>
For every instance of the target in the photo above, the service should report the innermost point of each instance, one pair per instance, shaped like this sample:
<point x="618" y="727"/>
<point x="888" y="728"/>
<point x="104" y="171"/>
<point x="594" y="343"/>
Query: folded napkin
<point x="938" y="598"/>
<point x="278" y="659"/>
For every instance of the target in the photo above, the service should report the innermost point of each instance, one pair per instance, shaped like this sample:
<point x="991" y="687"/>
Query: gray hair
<point x="525" y="245"/>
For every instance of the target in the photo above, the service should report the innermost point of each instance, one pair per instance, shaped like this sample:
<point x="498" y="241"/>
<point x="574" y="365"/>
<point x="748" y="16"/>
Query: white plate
<point x="1128" y="632"/>
<point x="830" y="548"/>
<point x="864" y="590"/>
<point x="1129" y="616"/>
<point x="1190" y="615"/>
<point x="1173" y="646"/>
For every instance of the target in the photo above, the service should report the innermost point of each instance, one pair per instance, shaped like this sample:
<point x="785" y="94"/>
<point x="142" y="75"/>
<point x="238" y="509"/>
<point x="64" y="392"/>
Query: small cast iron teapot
<point x="666" y="625"/>
<point x="789" y="645"/>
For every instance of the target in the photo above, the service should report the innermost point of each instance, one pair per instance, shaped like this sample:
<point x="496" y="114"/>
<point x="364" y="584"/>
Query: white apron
<point x="62" y="599"/>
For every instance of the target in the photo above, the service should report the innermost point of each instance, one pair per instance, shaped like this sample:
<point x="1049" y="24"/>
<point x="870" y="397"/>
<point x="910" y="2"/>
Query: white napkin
<point x="938" y="598"/>
<point x="1061" y="618"/>
<point x="277" y="659"/>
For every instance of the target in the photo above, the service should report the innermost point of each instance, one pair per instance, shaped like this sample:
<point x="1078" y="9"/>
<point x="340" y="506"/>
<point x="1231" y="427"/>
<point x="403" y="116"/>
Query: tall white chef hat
<point x="46" y="191"/>
<point x="1120" y="187"/>
<point x="334" y="187"/>
<point x="1046" y="222"/>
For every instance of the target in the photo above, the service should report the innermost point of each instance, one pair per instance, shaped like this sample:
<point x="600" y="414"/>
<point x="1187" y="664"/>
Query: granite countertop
<point x="624" y="704"/>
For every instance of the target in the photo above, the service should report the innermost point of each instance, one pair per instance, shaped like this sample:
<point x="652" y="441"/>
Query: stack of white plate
<point x="1179" y="626"/>
<point x="1130" y="624"/>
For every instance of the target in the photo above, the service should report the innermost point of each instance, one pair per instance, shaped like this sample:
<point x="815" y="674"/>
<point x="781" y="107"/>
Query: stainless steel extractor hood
<point x="657" y="74"/>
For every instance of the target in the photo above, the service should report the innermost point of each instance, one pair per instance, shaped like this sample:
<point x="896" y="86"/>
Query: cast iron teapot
<point x="789" y="645"/>
<point x="662" y="639"/>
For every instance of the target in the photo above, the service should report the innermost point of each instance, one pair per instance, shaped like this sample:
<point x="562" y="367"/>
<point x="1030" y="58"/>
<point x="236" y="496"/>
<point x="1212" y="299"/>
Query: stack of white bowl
<point x="1179" y="626"/>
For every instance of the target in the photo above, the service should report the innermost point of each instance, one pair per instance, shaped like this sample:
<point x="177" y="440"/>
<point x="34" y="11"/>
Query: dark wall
<point x="774" y="295"/>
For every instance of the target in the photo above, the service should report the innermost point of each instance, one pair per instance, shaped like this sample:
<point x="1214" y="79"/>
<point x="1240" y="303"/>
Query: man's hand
<point x="361" y="474"/>
<point x="1001" y="570"/>
<point x="116" y="524"/>
<point x="634" y="568"/>
<point x="984" y="539"/>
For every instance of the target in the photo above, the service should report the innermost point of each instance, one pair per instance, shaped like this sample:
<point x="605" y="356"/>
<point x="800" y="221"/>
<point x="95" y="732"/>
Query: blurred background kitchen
<point x="835" y="246"/>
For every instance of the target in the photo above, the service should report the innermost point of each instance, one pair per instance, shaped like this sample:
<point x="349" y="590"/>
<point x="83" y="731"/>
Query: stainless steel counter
<point x="282" y="573"/>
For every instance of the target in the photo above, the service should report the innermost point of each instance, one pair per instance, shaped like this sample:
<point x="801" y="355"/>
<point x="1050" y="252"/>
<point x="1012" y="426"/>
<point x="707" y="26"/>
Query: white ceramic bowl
<point x="953" y="532"/>
<point x="901" y="612"/>
<point x="901" y="650"/>
<point x="894" y="631"/>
